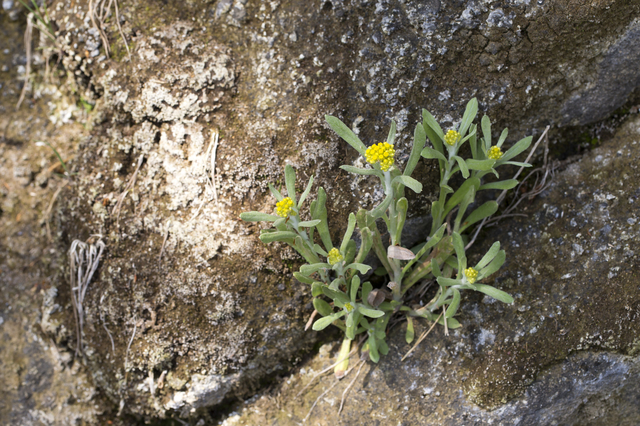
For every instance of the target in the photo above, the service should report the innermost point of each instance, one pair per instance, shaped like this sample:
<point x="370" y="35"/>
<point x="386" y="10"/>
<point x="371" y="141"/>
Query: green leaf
<point x="516" y="149"/>
<point x="503" y="184"/>
<point x="270" y="237"/>
<point x="258" y="217"/>
<point x="373" y="349"/>
<point x="483" y="165"/>
<point x="322" y="307"/>
<point x="302" y="278"/>
<point x="435" y="269"/>
<point x="428" y="120"/>
<point x="473" y="141"/>
<point x="306" y="192"/>
<point x="430" y="153"/>
<point x="453" y="306"/>
<point x="410" y="334"/>
<point x="419" y="139"/>
<point x="355" y="285"/>
<point x="503" y="137"/>
<point x="371" y="313"/>
<point x="309" y="223"/>
<point x="488" y="257"/>
<point x="446" y="282"/>
<point x="323" y="323"/>
<point x="337" y="296"/>
<point x="383" y="348"/>
<point x="381" y="208"/>
<point x="365" y="245"/>
<point x="366" y="289"/>
<point x="350" y="333"/>
<point x="278" y="196"/>
<point x="360" y="267"/>
<point x="485" y="210"/>
<point x="408" y="182"/>
<point x="458" y="246"/>
<point x="320" y="250"/>
<point x="469" y="115"/>
<point x="495" y="264"/>
<point x="316" y="288"/>
<point x="463" y="166"/>
<point x="392" y="133"/>
<point x="319" y="211"/>
<point x="457" y="196"/>
<point x="290" y="181"/>
<point x="310" y="269"/>
<point x="347" y="235"/>
<point x="359" y="171"/>
<point x="345" y="133"/>
<point x="495" y="293"/>
<point x="452" y="323"/>
<point x="401" y="209"/>
<point x="350" y="252"/>
<point x="486" y="132"/>
<point x="516" y="163"/>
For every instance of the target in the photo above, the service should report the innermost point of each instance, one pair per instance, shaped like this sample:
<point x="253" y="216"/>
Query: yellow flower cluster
<point x="495" y="153"/>
<point x="383" y="153"/>
<point x="471" y="275"/>
<point x="285" y="207"/>
<point x="349" y="307"/>
<point x="451" y="137"/>
<point x="334" y="256"/>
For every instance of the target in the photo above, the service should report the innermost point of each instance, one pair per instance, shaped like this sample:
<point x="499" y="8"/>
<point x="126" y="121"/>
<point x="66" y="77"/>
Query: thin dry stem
<point x="28" y="36"/>
<point x="503" y="194"/>
<point x="329" y="368"/>
<point x="83" y="262"/>
<point x="344" y="394"/>
<point x="130" y="184"/>
<point x="421" y="338"/>
<point x="318" y="399"/>
<point x="47" y="213"/>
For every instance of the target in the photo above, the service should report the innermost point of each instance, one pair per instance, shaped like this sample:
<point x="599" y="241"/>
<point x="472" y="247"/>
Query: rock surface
<point x="193" y="301"/>
<point x="566" y="352"/>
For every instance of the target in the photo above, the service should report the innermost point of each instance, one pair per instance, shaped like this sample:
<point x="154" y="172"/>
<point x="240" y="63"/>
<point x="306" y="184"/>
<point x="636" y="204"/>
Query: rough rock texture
<point x="566" y="352"/>
<point x="217" y="315"/>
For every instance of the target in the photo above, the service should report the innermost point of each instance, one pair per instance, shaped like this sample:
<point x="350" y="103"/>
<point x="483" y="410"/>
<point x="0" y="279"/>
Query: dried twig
<point x="344" y="394"/>
<point x="121" y="197"/>
<point x="83" y="262"/>
<point x="28" y="36"/>
<point x="47" y="213"/>
<point x="104" y="325"/>
<point x="318" y="399"/>
<point x="421" y="338"/>
<point x="164" y="242"/>
<point x="503" y="194"/>
<point x="353" y="351"/>
<point x="211" y="181"/>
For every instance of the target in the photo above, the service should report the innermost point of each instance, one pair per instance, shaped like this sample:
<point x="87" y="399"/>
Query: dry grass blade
<point x="47" y="213"/>
<point x="28" y="36"/>
<point x="211" y="181"/>
<point x="130" y="184"/>
<point x="421" y="338"/>
<point x="329" y="368"/>
<point x="83" y="262"/>
<point x="503" y="194"/>
<point x="344" y="394"/>
<point x="318" y="399"/>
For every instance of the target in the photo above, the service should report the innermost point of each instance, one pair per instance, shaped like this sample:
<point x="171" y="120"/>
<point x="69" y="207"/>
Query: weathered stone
<point x="264" y="75"/>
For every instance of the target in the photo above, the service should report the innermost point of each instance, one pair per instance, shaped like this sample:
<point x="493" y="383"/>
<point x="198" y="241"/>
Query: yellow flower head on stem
<point x="495" y="153"/>
<point x="349" y="307"/>
<point x="334" y="256"/>
<point x="451" y="137"/>
<point x="285" y="207"/>
<point x="471" y="275"/>
<point x="382" y="153"/>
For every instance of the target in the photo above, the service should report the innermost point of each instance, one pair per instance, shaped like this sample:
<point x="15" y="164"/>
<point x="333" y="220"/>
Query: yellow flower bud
<point x="382" y="153"/>
<point x="451" y="137"/>
<point x="471" y="275"/>
<point x="334" y="256"/>
<point x="284" y="208"/>
<point x="495" y="153"/>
